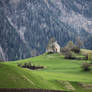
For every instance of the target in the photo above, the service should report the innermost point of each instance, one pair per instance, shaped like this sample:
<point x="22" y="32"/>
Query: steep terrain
<point x="27" y="25"/>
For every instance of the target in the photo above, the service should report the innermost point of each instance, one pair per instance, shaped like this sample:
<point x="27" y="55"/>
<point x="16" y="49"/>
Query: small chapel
<point x="53" y="47"/>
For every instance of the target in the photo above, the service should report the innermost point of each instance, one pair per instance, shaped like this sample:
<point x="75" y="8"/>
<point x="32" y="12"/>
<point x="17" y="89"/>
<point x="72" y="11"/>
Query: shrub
<point x="90" y="57"/>
<point x="79" y="42"/>
<point x="85" y="66"/>
<point x="19" y="64"/>
<point x="69" y="55"/>
<point x="30" y="66"/>
<point x="72" y="47"/>
<point x="75" y="49"/>
<point x="50" y="52"/>
<point x="86" y="57"/>
<point x="27" y="65"/>
<point x="64" y="50"/>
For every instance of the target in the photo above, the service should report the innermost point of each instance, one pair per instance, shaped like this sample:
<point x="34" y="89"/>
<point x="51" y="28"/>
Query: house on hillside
<point x="53" y="47"/>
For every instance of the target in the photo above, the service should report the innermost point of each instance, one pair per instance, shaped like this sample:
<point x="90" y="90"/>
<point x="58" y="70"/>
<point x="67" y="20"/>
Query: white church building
<point x="53" y="47"/>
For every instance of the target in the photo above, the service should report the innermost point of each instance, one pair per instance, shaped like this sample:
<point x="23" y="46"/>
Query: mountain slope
<point x="16" y="77"/>
<point x="58" y="74"/>
<point x="28" y="25"/>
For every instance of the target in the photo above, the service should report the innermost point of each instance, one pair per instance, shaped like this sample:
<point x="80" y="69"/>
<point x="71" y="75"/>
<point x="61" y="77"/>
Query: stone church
<point x="53" y="47"/>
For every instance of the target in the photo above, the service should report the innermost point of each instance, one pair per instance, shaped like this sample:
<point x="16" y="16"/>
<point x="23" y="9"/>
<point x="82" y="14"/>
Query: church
<point x="53" y="47"/>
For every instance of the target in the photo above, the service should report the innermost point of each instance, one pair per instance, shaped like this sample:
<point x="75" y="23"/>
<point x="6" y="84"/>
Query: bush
<point x="75" y="49"/>
<point x="27" y="65"/>
<point x="30" y="66"/>
<point x="19" y="64"/>
<point x="90" y="57"/>
<point x="86" y="66"/>
<point x="86" y="57"/>
<point x="69" y="55"/>
<point x="64" y="50"/>
<point x="50" y="52"/>
<point x="72" y="47"/>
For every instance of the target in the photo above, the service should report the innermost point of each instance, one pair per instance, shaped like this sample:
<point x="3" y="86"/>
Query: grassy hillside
<point x="12" y="76"/>
<point x="58" y="74"/>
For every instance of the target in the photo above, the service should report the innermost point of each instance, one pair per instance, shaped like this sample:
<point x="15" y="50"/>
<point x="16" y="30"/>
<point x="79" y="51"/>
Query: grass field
<point x="58" y="74"/>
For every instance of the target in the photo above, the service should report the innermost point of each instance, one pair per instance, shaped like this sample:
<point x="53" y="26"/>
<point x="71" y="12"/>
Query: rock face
<point x="27" y="25"/>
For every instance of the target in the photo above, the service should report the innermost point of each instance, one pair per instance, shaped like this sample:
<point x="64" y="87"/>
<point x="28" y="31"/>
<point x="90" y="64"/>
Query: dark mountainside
<point x="27" y="25"/>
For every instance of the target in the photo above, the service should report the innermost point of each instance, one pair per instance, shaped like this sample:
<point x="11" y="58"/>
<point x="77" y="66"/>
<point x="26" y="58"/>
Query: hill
<point x="15" y="77"/>
<point x="58" y="74"/>
<point x="33" y="22"/>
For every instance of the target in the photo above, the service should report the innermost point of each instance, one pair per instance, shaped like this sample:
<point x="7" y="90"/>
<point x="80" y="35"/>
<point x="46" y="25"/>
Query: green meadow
<point x="58" y="74"/>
